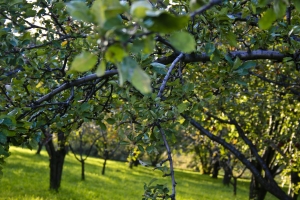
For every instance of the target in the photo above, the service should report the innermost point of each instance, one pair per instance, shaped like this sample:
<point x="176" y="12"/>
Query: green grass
<point x="26" y="176"/>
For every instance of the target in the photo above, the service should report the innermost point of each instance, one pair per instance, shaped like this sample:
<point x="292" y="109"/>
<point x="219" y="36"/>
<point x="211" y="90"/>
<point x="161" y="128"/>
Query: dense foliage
<point x="159" y="71"/>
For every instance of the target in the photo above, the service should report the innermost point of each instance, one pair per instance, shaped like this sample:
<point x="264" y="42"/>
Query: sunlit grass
<point x="26" y="177"/>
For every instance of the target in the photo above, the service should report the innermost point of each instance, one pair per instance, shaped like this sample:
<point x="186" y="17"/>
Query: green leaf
<point x="150" y="149"/>
<point x="267" y="19"/>
<point x="126" y="69"/>
<point x="294" y="30"/>
<point x="231" y="38"/>
<point x="243" y="69"/>
<point x="297" y="5"/>
<point x="26" y="36"/>
<point x="3" y="138"/>
<point x="229" y="59"/>
<point x="262" y="3"/>
<point x="141" y="148"/>
<point x="146" y="45"/>
<point x="153" y="114"/>
<point x="79" y="11"/>
<point x="106" y="9"/>
<point x="110" y="121"/>
<point x="182" y="107"/>
<point x="139" y="8"/>
<point x="183" y="41"/>
<point x="13" y="112"/>
<point x="159" y="68"/>
<point x="210" y="48"/>
<point x="279" y="8"/>
<point x="166" y="23"/>
<point x="112" y="23"/>
<point x="152" y="181"/>
<point x="8" y="122"/>
<point x="188" y="87"/>
<point x="141" y="81"/>
<point x="102" y="125"/>
<point x="84" y="62"/>
<point x="30" y="13"/>
<point x="3" y="151"/>
<point x="101" y="68"/>
<point x="237" y="63"/>
<point x="8" y="133"/>
<point x="195" y="4"/>
<point x="144" y="163"/>
<point x="115" y="53"/>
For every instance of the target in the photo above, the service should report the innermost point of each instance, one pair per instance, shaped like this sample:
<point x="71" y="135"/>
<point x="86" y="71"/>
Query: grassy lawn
<point x="26" y="176"/>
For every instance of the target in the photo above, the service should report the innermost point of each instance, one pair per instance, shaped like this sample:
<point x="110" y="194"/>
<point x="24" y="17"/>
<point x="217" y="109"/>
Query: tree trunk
<point x="82" y="170"/>
<point x="227" y="174"/>
<point x="57" y="158"/>
<point x="262" y="192"/>
<point x="106" y="157"/>
<point x="295" y="179"/>
<point x="256" y="192"/>
<point x="56" y="167"/>
<point x="40" y="146"/>
<point x="234" y="185"/>
<point x="216" y="168"/>
<point x="103" y="168"/>
<point x="253" y="190"/>
<point x="226" y="165"/>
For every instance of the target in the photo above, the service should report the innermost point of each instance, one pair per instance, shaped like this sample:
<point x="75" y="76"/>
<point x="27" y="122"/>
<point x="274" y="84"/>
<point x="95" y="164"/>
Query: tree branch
<point x="74" y="153"/>
<point x="282" y="84"/>
<point x="253" y="149"/>
<point x="210" y="4"/>
<point x="173" y="195"/>
<point x="164" y="83"/>
<point x="74" y="83"/>
<point x="19" y="50"/>
<point x="243" y="55"/>
<point x="66" y="86"/>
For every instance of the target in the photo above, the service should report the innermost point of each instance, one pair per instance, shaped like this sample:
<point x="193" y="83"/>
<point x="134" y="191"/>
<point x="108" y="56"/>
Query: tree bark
<point x="56" y="167"/>
<point x="216" y="168"/>
<point x="106" y="157"/>
<point x="82" y="170"/>
<point x="215" y="163"/>
<point x="234" y="185"/>
<point x="40" y="146"/>
<point x="295" y="179"/>
<point x="57" y="158"/>
<point x="104" y="165"/>
<point x="256" y="192"/>
<point x="227" y="171"/>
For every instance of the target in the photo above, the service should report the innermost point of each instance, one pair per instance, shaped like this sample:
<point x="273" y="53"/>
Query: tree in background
<point x="87" y="136"/>
<point x="108" y="143"/>
<point x="162" y="66"/>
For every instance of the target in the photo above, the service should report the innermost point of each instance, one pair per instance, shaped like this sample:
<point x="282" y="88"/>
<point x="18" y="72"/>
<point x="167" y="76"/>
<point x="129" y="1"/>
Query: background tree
<point x="108" y="143"/>
<point x="88" y="135"/>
